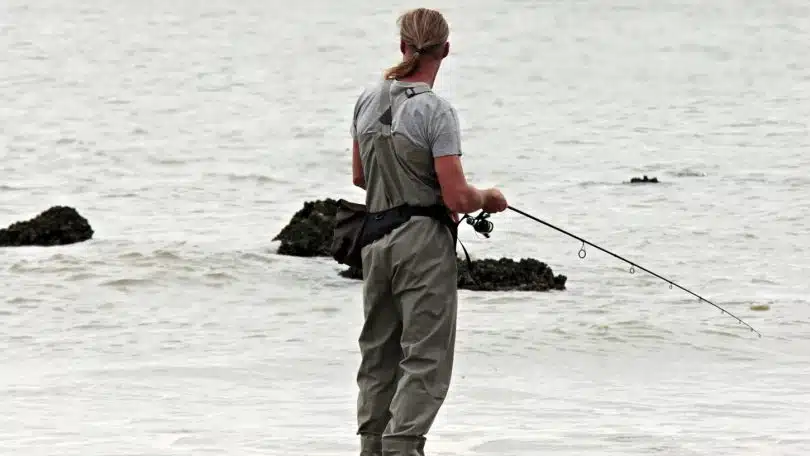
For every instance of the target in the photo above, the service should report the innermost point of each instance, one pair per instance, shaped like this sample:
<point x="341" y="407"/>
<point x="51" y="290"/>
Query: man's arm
<point x="357" y="166"/>
<point x="358" y="178"/>
<point x="458" y="195"/>
<point x="445" y="141"/>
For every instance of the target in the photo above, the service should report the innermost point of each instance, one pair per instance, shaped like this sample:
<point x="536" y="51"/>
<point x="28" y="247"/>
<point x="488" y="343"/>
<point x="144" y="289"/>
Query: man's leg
<point x="380" y="352"/>
<point x="425" y="287"/>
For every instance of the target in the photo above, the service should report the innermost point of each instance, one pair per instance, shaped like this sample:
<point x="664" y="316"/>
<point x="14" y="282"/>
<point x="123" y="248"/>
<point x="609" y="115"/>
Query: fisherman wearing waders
<point x="405" y="155"/>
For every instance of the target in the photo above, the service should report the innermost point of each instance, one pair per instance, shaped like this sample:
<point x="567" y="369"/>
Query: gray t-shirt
<point x="429" y="121"/>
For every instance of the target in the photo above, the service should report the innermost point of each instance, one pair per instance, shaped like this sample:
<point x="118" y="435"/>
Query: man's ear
<point x="446" y="51"/>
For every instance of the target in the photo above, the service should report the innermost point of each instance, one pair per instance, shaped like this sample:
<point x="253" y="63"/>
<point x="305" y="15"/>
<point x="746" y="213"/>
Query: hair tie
<point x="421" y="50"/>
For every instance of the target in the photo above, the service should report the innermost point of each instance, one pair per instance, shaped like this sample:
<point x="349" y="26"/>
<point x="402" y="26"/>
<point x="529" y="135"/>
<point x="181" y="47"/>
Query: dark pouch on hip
<point x="350" y="221"/>
<point x="356" y="228"/>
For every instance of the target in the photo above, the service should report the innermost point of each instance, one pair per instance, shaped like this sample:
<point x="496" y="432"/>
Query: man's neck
<point x="426" y="74"/>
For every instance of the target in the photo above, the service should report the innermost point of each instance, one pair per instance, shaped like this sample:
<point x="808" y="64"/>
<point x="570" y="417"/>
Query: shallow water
<point x="189" y="133"/>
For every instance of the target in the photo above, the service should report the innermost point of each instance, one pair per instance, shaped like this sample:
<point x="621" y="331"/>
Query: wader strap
<point x="378" y="224"/>
<point x="386" y="116"/>
<point x="411" y="92"/>
<point x="384" y="143"/>
<point x="386" y="109"/>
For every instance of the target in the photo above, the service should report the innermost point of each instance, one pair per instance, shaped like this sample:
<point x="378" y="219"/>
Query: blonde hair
<point x="425" y="30"/>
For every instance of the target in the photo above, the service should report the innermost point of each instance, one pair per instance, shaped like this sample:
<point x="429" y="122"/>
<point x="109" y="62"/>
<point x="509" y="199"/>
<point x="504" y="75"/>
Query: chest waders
<point x="409" y="292"/>
<point x="356" y="226"/>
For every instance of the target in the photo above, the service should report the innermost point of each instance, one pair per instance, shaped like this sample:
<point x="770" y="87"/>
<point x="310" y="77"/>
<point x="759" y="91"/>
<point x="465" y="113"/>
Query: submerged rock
<point x="644" y="180"/>
<point x="504" y="274"/>
<point x="58" y="225"/>
<point x="497" y="275"/>
<point x="309" y="234"/>
<point x="352" y="273"/>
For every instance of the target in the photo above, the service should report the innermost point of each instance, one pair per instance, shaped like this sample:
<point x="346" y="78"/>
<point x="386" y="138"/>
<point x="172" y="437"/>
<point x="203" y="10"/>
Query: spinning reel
<point x="480" y="223"/>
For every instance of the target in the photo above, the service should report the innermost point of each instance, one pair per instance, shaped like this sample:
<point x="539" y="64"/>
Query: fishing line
<point x="482" y="225"/>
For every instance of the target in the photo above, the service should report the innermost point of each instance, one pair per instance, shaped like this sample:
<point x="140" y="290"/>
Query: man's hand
<point x="494" y="201"/>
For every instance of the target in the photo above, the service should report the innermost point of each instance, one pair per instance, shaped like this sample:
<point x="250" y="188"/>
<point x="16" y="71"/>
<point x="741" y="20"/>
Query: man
<point x="406" y="151"/>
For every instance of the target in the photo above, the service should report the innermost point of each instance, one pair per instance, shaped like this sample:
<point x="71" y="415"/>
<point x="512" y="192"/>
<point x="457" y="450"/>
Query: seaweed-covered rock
<point x="497" y="275"/>
<point x="504" y="274"/>
<point x="58" y="225"/>
<point x="309" y="233"/>
<point x="644" y="180"/>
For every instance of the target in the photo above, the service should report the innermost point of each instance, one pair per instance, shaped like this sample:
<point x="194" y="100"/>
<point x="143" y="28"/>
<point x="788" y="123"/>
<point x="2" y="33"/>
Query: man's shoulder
<point x="439" y="109"/>
<point x="429" y="101"/>
<point x="441" y="102"/>
<point x="369" y="91"/>
<point x="445" y="108"/>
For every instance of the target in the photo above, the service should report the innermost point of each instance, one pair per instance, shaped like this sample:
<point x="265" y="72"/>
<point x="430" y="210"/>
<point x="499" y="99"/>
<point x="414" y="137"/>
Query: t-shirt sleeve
<point x="359" y="104"/>
<point x="353" y="126"/>
<point x="444" y="133"/>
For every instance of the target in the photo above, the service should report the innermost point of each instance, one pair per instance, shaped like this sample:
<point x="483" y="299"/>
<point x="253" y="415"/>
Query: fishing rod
<point x="481" y="225"/>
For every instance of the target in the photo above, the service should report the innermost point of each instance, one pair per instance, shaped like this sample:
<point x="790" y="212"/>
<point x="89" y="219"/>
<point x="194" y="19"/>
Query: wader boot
<point x="409" y="295"/>
<point x="370" y="445"/>
<point x="404" y="446"/>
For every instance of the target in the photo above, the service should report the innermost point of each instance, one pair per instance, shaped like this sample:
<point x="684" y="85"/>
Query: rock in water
<point x="59" y="225"/>
<point x="309" y="233"/>
<point x="352" y="273"/>
<point x="643" y="180"/>
<point x="506" y="274"/>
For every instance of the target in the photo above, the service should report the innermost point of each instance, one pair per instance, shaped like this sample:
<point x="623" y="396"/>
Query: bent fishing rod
<point x="481" y="225"/>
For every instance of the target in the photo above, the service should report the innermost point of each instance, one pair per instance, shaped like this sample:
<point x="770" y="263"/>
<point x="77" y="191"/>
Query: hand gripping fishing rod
<point x="481" y="225"/>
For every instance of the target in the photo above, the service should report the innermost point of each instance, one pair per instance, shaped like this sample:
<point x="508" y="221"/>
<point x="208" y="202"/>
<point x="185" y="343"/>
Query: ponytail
<point x="404" y="68"/>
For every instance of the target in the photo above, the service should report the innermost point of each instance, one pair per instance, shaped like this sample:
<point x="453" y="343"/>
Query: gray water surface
<point x="188" y="133"/>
